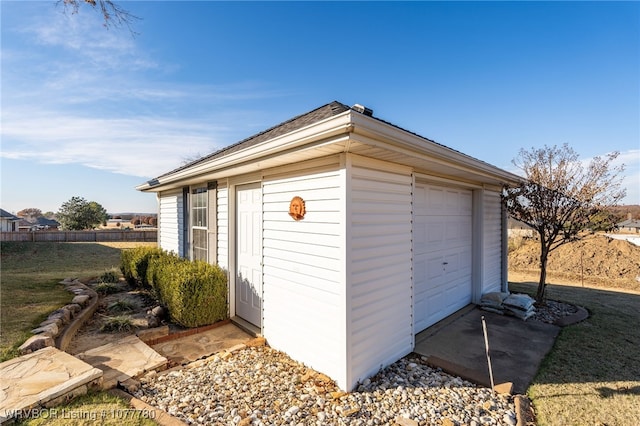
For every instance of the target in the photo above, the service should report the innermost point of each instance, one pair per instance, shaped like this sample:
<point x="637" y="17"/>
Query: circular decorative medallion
<point x="296" y="208"/>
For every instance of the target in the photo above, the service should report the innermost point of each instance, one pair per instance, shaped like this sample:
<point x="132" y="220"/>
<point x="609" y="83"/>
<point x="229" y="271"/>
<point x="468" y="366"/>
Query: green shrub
<point x="134" y="263"/>
<point x="158" y="268"/>
<point x="195" y="293"/>
<point x="111" y="276"/>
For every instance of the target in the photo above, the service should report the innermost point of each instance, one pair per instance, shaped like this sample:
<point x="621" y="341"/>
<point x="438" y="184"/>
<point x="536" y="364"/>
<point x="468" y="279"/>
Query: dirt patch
<point x="121" y="312"/>
<point x="595" y="259"/>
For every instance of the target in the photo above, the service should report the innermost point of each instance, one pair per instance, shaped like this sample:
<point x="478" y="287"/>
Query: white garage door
<point x="442" y="253"/>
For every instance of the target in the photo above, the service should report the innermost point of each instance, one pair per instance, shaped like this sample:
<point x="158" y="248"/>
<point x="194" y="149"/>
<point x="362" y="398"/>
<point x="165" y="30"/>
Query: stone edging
<point x="575" y="318"/>
<point x="156" y="414"/>
<point x="179" y="334"/>
<point x="62" y="324"/>
<point x="64" y="339"/>
<point x="524" y="411"/>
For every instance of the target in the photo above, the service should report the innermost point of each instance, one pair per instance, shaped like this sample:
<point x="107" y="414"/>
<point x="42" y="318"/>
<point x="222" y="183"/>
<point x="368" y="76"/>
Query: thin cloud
<point x="86" y="96"/>
<point x="143" y="147"/>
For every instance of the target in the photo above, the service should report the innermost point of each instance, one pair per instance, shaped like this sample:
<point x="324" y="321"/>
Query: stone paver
<point x="37" y="379"/>
<point x="125" y="358"/>
<point x="191" y="348"/>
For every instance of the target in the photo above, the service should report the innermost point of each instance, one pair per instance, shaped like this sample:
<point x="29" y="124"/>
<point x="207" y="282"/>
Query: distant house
<point x="42" y="223"/>
<point x="8" y="222"/>
<point x="629" y="225"/>
<point x="25" y="226"/>
<point x="520" y="229"/>
<point x="343" y="235"/>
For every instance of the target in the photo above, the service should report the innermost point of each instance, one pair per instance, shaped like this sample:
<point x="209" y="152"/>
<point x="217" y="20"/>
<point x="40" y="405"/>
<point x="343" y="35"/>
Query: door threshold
<point x="245" y="325"/>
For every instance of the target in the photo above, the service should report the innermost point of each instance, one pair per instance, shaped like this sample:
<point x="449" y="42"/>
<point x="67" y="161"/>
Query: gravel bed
<point x="552" y="310"/>
<point x="262" y="386"/>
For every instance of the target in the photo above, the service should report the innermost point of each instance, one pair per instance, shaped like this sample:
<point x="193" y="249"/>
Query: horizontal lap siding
<point x="223" y="225"/>
<point x="492" y="250"/>
<point x="170" y="221"/>
<point x="303" y="271"/>
<point x="380" y="329"/>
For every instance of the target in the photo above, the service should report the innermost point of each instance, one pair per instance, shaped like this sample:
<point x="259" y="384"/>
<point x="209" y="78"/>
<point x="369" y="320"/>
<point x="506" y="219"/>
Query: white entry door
<point x="248" y="285"/>
<point x="442" y="253"/>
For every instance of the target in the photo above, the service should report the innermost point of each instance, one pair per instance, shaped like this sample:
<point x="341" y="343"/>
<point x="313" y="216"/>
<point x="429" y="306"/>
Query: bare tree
<point x="30" y="214"/>
<point x="112" y="14"/>
<point x="560" y="197"/>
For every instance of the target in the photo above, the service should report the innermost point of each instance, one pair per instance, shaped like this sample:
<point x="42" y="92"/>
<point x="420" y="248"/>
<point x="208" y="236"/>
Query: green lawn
<point x="29" y="282"/>
<point x="592" y="375"/>
<point x="29" y="277"/>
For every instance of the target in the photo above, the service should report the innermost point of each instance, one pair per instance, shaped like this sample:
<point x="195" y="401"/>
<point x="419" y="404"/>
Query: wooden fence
<point x="80" y="236"/>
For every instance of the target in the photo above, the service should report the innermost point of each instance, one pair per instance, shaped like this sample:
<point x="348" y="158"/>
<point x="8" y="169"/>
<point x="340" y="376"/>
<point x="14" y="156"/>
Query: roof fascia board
<point x="319" y="131"/>
<point x="404" y="141"/>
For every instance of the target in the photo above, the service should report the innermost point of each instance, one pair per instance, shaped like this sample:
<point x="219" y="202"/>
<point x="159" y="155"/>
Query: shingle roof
<point x="5" y="214"/>
<point x="43" y="221"/>
<point x="318" y="114"/>
<point x="326" y="111"/>
<point x="629" y="223"/>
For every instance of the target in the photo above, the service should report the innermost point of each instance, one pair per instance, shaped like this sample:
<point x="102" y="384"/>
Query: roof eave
<point x="398" y="137"/>
<point x="319" y="131"/>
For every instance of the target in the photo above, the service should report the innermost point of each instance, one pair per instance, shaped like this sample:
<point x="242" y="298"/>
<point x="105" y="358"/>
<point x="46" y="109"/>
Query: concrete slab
<point x="516" y="347"/>
<point x="125" y="358"/>
<point x="190" y="348"/>
<point x="38" y="379"/>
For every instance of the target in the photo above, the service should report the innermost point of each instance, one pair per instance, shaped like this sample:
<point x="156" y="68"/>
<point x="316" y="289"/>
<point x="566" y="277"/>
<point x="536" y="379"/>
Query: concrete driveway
<point x="517" y="347"/>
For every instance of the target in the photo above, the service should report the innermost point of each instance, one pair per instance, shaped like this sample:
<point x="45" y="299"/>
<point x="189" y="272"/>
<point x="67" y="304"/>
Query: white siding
<point x="8" y="225"/>
<point x="303" y="287"/>
<point x="170" y="221"/>
<point x="492" y="243"/>
<point x="379" y="271"/>
<point x="223" y="225"/>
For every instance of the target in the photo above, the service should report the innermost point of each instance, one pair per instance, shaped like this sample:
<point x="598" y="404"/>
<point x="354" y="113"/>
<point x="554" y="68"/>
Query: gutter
<point x="319" y="131"/>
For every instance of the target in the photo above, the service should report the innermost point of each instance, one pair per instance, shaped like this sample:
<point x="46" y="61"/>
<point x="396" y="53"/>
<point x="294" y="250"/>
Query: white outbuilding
<point x="343" y="235"/>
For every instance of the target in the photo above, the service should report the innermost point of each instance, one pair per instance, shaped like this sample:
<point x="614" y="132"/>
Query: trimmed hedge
<point x="134" y="264"/>
<point x="194" y="293"/>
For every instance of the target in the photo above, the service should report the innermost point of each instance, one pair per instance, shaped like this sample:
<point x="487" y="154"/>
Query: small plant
<point x="116" y="324"/>
<point x="106" y="288"/>
<point x="121" y="306"/>
<point x="111" y="276"/>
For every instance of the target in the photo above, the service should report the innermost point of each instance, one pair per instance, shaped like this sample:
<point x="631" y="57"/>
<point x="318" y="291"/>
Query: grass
<point x="30" y="276"/>
<point x="592" y="374"/>
<point x="93" y="408"/>
<point x="30" y="291"/>
<point x="121" y="306"/>
<point x="117" y="324"/>
<point x="106" y="288"/>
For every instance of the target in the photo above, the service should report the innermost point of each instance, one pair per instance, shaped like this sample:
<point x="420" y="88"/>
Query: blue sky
<point x="93" y="112"/>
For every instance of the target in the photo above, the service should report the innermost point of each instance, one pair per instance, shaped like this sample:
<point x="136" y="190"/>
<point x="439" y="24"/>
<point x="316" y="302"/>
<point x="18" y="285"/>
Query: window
<point x="199" y="224"/>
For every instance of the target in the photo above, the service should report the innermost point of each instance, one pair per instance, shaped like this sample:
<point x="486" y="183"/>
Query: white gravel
<point x="261" y="386"/>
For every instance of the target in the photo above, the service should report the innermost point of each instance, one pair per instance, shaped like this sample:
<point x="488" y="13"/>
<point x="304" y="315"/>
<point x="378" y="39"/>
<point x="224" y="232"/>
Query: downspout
<point x="350" y="128"/>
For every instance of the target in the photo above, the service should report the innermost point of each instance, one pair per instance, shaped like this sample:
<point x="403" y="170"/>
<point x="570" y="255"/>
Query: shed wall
<point x="492" y="240"/>
<point x="379" y="273"/>
<point x="171" y="221"/>
<point x="223" y="224"/>
<point x="303" y="281"/>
